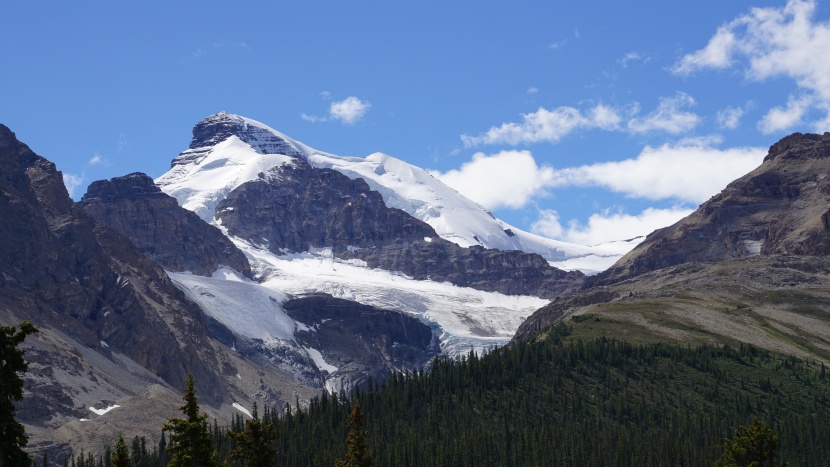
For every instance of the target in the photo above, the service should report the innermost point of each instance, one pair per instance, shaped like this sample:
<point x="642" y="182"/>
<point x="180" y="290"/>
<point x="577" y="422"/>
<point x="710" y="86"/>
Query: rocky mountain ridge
<point x="782" y="207"/>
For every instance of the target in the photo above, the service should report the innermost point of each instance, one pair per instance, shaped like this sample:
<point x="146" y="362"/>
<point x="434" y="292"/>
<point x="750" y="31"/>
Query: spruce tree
<point x="752" y="446"/>
<point x="253" y="444"/>
<point x="122" y="455"/>
<point x="12" y="434"/>
<point x="191" y="444"/>
<point x="356" y="450"/>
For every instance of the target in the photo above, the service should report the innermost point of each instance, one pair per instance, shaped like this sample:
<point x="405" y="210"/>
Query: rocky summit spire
<point x="220" y="126"/>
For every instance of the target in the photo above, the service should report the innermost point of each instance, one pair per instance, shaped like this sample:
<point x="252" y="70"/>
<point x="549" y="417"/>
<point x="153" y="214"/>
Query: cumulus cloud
<point x="95" y="159"/>
<point x="669" y="116"/>
<point x="607" y="225"/>
<point x="507" y="179"/>
<point x="781" y="118"/>
<point x="349" y="110"/>
<point x="773" y="42"/>
<point x="690" y="171"/>
<point x="547" y="125"/>
<point x="72" y="182"/>
<point x="729" y="117"/>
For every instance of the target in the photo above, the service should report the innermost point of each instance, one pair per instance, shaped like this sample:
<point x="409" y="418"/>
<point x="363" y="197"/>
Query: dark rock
<point x="360" y="340"/>
<point x="297" y="207"/>
<point x="170" y="235"/>
<point x="221" y="126"/>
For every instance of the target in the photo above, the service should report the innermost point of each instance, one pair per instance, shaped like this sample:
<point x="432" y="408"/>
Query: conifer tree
<point x="12" y="434"/>
<point x="356" y="451"/>
<point x="752" y="446"/>
<point x="253" y="444"/>
<point x="122" y="455"/>
<point x="191" y="444"/>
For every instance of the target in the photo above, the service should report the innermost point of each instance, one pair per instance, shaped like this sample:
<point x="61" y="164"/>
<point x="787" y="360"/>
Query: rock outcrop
<point x="295" y="208"/>
<point x="173" y="237"/>
<point x="361" y="341"/>
<point x="782" y="207"/>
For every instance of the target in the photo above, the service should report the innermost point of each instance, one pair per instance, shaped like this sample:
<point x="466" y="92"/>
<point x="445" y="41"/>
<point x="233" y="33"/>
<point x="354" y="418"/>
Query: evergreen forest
<point x="549" y="401"/>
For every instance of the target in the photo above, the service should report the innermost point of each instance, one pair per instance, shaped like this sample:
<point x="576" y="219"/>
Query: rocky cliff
<point x="113" y="325"/>
<point x="173" y="237"/>
<point x="782" y="207"/>
<point x="295" y="208"/>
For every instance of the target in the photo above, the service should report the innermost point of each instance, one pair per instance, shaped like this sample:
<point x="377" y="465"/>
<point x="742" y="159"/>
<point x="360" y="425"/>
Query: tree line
<point x="551" y="401"/>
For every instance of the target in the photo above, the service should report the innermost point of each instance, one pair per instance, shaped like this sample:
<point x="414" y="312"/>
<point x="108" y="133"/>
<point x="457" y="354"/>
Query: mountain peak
<point x="221" y="126"/>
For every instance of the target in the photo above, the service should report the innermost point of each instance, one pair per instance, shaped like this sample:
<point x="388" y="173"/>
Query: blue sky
<point x="585" y="122"/>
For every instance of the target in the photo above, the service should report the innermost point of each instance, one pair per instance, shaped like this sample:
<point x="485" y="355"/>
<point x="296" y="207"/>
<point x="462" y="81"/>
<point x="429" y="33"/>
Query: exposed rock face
<point x="509" y="272"/>
<point x="782" y="207"/>
<point x="297" y="207"/>
<point x="112" y="322"/>
<point x="170" y="235"/>
<point x="359" y="340"/>
<point x="222" y="126"/>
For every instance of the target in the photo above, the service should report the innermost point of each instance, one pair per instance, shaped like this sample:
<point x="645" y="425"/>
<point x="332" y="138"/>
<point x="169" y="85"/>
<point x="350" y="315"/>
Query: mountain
<point x="228" y="150"/>
<point x="782" y="207"/>
<point x="119" y="334"/>
<point x="309" y="222"/>
<point x="749" y="266"/>
<point x="175" y="238"/>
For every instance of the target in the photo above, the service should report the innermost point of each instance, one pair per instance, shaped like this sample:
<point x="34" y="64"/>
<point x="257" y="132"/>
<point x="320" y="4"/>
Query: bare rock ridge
<point x="173" y="237"/>
<point x="296" y="207"/>
<point x="221" y="126"/>
<point x="782" y="207"/>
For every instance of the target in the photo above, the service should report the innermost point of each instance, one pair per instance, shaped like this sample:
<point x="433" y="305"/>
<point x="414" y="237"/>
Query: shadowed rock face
<point x="173" y="237"/>
<point x="297" y="207"/>
<point x="782" y="207"/>
<point x="60" y="268"/>
<point x="359" y="340"/>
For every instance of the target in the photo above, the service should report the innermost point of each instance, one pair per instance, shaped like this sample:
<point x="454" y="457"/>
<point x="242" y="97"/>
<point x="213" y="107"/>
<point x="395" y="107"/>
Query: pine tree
<point x="191" y="444"/>
<point x="122" y="455"/>
<point x="253" y="444"/>
<point x="356" y="451"/>
<point x="12" y="434"/>
<point x="752" y="446"/>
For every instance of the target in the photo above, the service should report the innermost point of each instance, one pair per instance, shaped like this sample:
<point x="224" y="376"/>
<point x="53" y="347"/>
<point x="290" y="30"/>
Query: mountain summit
<point x="228" y="150"/>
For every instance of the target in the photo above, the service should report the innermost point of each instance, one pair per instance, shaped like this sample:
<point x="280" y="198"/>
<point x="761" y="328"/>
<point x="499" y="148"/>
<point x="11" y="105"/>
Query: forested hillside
<point x="556" y="401"/>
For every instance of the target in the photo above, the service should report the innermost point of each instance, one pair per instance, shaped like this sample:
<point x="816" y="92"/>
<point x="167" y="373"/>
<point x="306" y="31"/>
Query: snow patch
<point x="103" y="411"/>
<point x="321" y="363"/>
<point x="242" y="409"/>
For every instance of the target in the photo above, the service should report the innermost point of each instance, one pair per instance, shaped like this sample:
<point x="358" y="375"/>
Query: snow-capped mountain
<point x="229" y="150"/>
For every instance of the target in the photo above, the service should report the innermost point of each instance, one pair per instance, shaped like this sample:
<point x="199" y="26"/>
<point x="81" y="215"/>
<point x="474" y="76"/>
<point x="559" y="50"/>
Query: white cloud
<point x="607" y="225"/>
<point x="632" y="57"/>
<point x="781" y="118"/>
<point x="532" y="90"/>
<point x="668" y="117"/>
<point x="506" y="179"/>
<point x="349" y="110"/>
<point x="72" y="182"/>
<point x="729" y="117"/>
<point x="547" y="125"/>
<point x="313" y="118"/>
<point x="717" y="54"/>
<point x="772" y="42"/>
<point x="95" y="159"/>
<point x="690" y="171"/>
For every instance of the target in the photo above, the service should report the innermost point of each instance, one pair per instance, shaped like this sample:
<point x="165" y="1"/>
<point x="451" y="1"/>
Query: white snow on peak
<point x="319" y="361"/>
<point x="203" y="177"/>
